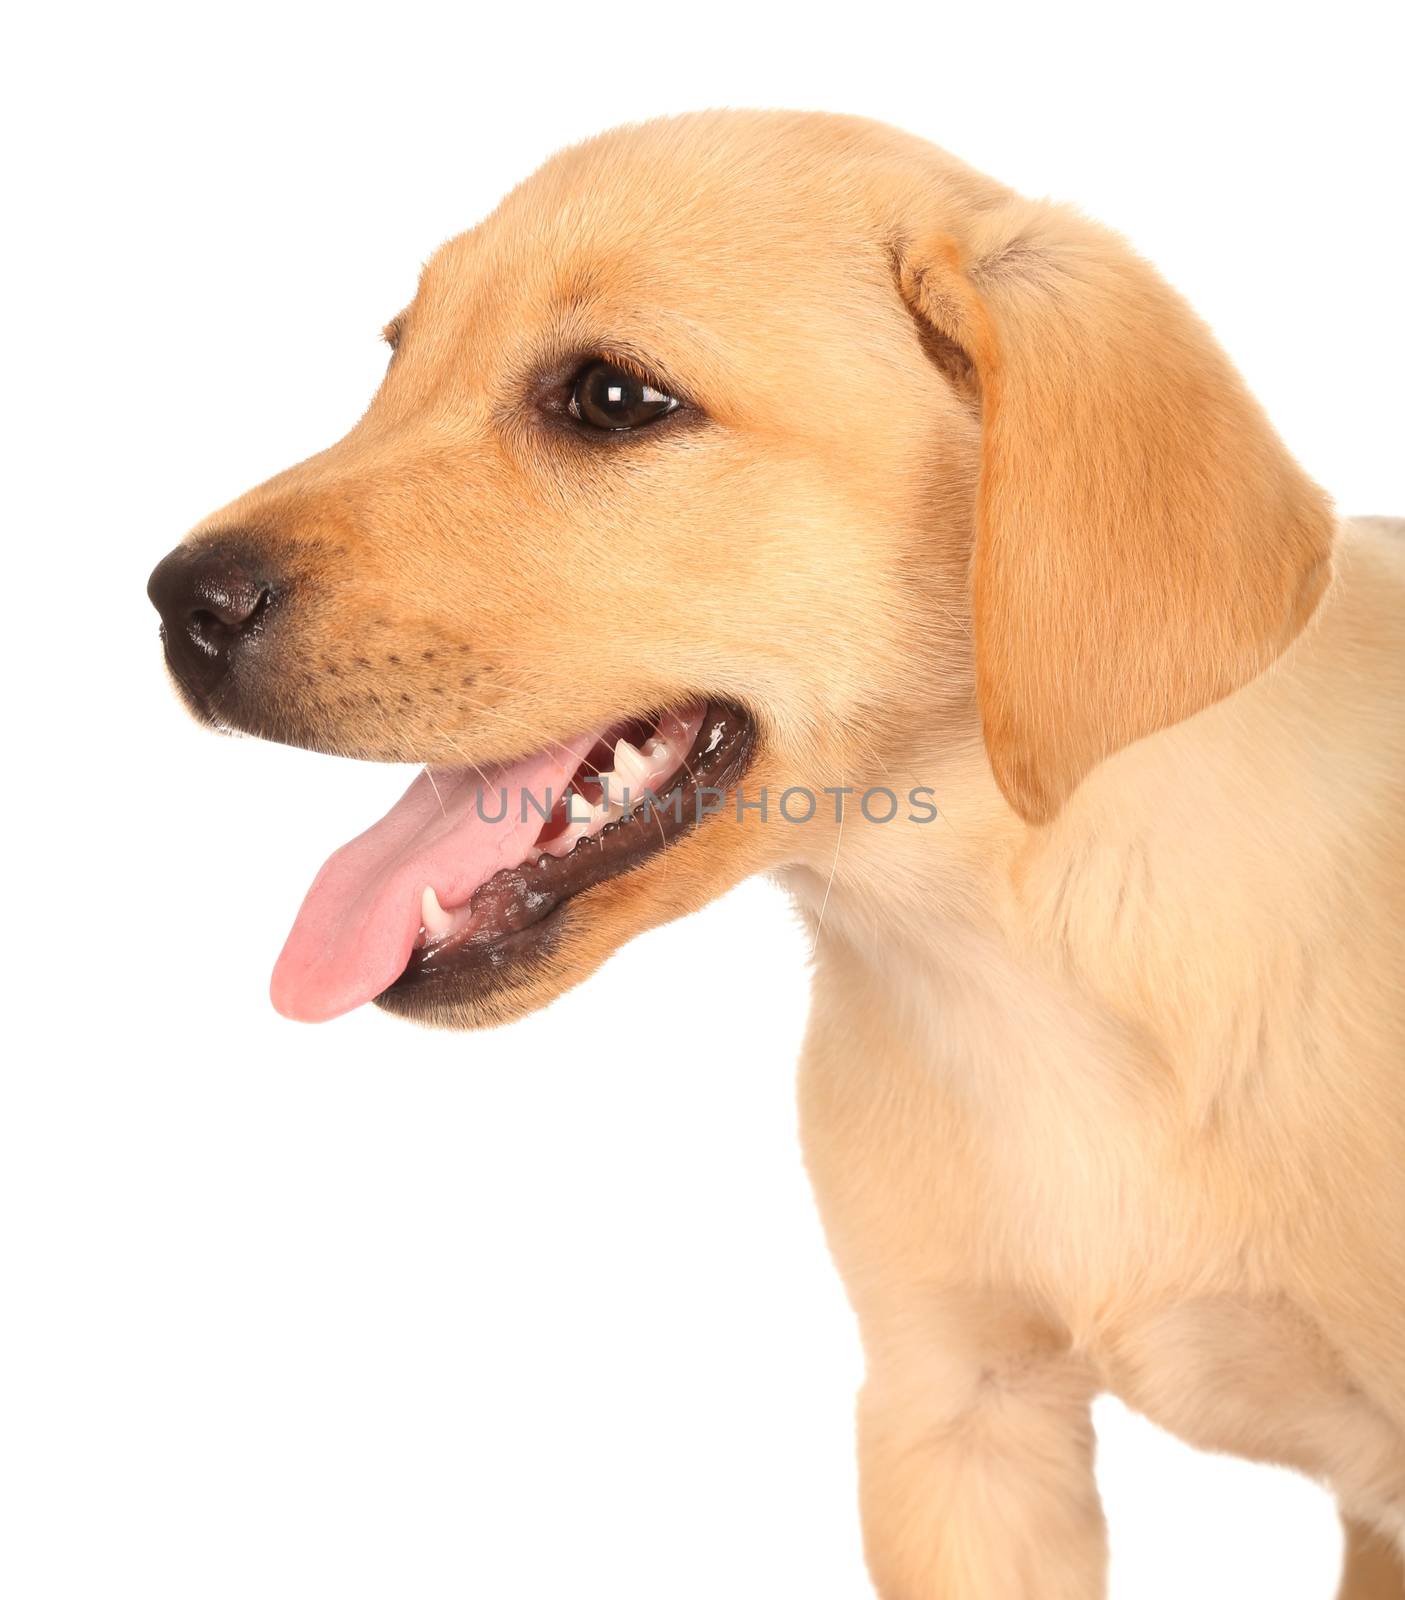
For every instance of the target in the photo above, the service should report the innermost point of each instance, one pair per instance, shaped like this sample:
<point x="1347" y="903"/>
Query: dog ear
<point x="1144" y="543"/>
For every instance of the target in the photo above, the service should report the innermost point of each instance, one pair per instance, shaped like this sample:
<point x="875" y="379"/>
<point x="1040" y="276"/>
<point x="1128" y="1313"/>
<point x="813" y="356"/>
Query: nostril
<point x="231" y="606"/>
<point x="217" y="631"/>
<point x="228" y="600"/>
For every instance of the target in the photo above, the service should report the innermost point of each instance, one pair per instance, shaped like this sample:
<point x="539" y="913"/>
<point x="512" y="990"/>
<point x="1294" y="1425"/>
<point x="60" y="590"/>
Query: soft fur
<point x="1104" y="1086"/>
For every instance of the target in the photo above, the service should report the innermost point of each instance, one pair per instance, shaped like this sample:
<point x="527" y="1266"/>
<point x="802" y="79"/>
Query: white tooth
<point x="565" y="841"/>
<point x="656" y="749"/>
<point x="434" y="918"/>
<point x="630" y="766"/>
<point x="584" y="819"/>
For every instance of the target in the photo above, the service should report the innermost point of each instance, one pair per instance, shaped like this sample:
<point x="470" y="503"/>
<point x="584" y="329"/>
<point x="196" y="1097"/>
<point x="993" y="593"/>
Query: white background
<point x="361" y="1311"/>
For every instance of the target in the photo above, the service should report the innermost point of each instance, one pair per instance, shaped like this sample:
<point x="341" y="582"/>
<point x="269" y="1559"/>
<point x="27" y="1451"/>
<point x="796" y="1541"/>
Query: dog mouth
<point x="464" y="878"/>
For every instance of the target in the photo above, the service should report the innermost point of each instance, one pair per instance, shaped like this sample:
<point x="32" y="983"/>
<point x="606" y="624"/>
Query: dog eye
<point x="606" y="396"/>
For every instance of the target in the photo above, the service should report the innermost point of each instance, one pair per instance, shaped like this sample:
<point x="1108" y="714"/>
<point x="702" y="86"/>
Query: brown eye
<point x="606" y="396"/>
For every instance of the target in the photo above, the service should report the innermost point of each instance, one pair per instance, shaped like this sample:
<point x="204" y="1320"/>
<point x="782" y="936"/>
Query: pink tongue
<point x="357" y="926"/>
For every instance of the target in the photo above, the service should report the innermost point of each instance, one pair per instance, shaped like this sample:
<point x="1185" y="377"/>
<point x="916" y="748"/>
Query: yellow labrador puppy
<point x="774" y="468"/>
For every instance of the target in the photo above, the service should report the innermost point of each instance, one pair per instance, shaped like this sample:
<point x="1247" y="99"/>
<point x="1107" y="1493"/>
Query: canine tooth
<point x="583" y="819"/>
<point x="433" y="917"/>
<point x="630" y="765"/>
<point x="620" y="786"/>
<point x="569" y="837"/>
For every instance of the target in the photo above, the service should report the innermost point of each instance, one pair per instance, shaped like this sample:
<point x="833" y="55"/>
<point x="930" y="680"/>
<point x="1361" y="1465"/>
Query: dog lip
<point x="518" y="914"/>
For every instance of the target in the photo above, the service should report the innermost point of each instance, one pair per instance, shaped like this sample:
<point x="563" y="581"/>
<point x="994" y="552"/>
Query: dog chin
<point x="521" y="973"/>
<point x="520" y="977"/>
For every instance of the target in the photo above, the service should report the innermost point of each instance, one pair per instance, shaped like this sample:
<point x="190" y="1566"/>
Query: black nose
<point x="212" y="601"/>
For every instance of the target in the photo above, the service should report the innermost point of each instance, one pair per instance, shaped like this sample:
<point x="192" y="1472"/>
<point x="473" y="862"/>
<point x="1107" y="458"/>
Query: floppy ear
<point x="1144" y="543"/>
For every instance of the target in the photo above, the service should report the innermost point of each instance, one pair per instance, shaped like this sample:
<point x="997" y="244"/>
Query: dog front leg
<point x="976" y="1473"/>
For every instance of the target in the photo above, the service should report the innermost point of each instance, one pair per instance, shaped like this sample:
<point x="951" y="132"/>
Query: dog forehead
<point x="719" y="206"/>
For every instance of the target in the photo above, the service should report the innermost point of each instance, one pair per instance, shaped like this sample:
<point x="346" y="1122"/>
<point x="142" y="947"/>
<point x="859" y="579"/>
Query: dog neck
<point x="1152" y="919"/>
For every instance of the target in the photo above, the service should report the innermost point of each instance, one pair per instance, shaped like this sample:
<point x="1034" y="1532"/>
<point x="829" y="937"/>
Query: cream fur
<point x="1104" y="1086"/>
<point x="1130" y="1116"/>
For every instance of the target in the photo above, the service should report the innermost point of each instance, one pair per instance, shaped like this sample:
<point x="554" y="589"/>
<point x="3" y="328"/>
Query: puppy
<point x="740" y="457"/>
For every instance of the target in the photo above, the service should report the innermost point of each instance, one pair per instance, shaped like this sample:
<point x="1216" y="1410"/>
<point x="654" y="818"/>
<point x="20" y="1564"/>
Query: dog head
<point x="727" y="452"/>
